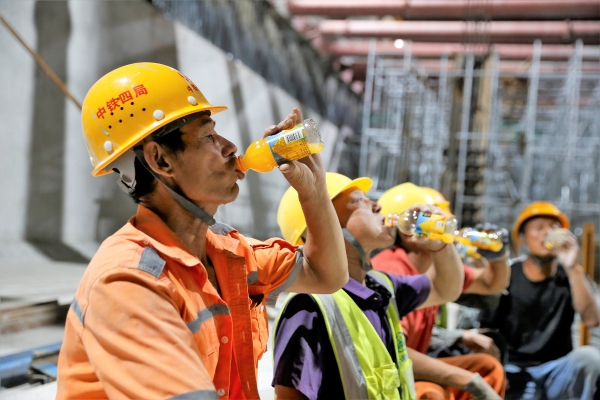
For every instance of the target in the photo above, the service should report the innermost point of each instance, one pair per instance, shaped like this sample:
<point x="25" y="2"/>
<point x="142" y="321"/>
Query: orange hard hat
<point x="538" y="209"/>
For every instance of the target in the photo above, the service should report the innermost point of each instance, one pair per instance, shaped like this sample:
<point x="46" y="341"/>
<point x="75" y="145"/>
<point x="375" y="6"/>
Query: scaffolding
<point x="404" y="127"/>
<point x="490" y="138"/>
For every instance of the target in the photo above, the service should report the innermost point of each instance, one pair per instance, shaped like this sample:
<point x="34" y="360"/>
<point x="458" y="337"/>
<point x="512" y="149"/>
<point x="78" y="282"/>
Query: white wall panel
<point x="16" y="91"/>
<point x="102" y="36"/>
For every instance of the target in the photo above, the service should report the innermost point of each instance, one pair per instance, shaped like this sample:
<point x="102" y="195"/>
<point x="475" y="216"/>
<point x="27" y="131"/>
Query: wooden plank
<point x="587" y="262"/>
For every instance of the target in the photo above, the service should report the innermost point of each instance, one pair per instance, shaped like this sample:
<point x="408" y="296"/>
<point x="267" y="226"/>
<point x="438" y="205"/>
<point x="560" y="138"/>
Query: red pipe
<point x="451" y="10"/>
<point x="553" y="32"/>
<point x="432" y="66"/>
<point x="436" y="50"/>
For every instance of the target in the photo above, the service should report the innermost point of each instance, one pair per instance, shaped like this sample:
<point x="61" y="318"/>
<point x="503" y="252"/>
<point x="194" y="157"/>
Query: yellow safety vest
<point x="366" y="368"/>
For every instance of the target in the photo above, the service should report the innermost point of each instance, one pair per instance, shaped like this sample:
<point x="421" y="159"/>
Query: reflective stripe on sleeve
<point x="252" y="277"/>
<point x="272" y="299"/>
<point x="206" y="314"/>
<point x="151" y="262"/>
<point x="197" y="395"/>
<point x="77" y="310"/>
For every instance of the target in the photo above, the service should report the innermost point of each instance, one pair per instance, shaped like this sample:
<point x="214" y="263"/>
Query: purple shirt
<point x="304" y="359"/>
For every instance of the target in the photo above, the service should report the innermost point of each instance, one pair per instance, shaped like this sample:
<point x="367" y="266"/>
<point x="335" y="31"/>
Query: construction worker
<point x="536" y="315"/>
<point x="173" y="304"/>
<point x="442" y="378"/>
<point x="350" y="344"/>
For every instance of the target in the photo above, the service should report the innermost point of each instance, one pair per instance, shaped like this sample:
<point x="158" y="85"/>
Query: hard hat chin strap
<point x="361" y="252"/>
<point x="124" y="165"/>
<point x="183" y="202"/>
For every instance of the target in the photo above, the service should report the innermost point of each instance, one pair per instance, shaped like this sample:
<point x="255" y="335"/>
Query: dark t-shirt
<point x="303" y="356"/>
<point x="535" y="318"/>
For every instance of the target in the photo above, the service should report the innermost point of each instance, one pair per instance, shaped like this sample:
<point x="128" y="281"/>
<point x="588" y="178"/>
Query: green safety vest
<point x="366" y="368"/>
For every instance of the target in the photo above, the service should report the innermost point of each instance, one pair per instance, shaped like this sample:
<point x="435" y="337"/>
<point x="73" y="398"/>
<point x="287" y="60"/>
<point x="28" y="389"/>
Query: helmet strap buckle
<point x="125" y="167"/>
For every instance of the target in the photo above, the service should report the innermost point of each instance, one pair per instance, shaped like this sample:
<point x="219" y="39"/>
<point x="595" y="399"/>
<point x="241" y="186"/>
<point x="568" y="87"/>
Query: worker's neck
<point x="540" y="268"/>
<point x="188" y="228"/>
<point x="355" y="264"/>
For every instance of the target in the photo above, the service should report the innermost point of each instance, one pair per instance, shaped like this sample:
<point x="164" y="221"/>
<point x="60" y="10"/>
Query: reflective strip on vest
<point x="353" y="379"/>
<point x="407" y="379"/>
<point x="272" y="298"/>
<point x="362" y="351"/>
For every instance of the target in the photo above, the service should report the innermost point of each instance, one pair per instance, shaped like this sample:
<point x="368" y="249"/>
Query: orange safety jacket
<point x="146" y="323"/>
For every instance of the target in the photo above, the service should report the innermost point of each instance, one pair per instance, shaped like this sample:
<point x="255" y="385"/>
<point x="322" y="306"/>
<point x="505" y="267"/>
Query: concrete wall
<point x="50" y="204"/>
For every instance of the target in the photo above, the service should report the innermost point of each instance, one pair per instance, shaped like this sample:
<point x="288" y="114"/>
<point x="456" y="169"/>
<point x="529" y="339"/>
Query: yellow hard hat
<point x="131" y="102"/>
<point x="401" y="197"/>
<point x="290" y="217"/>
<point x="438" y="199"/>
<point x="538" y="209"/>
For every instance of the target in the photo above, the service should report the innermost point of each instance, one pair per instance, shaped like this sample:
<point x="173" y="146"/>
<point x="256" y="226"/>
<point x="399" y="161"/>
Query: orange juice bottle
<point x="298" y="142"/>
<point x="465" y="251"/>
<point x="556" y="238"/>
<point x="424" y="223"/>
<point x="482" y="240"/>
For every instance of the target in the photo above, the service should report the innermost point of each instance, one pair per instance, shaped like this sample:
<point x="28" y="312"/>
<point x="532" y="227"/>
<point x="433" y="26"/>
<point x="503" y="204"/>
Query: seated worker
<point x="172" y="305"/>
<point x="535" y="317"/>
<point x="445" y="377"/>
<point x="350" y="344"/>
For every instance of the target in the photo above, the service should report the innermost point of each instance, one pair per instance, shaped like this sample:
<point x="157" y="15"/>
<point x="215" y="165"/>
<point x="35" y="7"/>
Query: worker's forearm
<point x="449" y="274"/>
<point x="497" y="276"/>
<point x="583" y="297"/>
<point x="429" y="369"/>
<point x="324" y="249"/>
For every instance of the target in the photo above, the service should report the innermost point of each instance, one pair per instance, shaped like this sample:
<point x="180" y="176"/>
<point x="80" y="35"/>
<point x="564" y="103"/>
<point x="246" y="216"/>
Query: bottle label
<point x="428" y="223"/>
<point x="289" y="145"/>
<point x="293" y="136"/>
<point x="483" y="241"/>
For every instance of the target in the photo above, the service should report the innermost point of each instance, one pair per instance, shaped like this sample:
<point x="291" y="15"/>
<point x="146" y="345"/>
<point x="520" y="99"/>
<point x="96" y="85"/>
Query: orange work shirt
<point x="146" y="323"/>
<point x="417" y="325"/>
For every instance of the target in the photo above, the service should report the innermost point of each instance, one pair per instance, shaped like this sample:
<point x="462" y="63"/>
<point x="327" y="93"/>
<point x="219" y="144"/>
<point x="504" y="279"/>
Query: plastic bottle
<point x="467" y="251"/>
<point x="424" y="223"/>
<point x="482" y="240"/>
<point x="556" y="238"/>
<point x="298" y="142"/>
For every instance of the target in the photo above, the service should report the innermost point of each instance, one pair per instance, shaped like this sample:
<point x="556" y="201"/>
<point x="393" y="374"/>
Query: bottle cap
<point x="239" y="164"/>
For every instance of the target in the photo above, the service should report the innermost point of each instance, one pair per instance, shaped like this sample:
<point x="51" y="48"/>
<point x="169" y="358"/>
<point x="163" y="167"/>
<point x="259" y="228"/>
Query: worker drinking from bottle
<point x="173" y="304"/>
<point x="351" y="344"/>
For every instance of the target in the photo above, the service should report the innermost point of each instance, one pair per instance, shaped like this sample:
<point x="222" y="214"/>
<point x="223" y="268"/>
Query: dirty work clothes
<point x="535" y="318"/>
<point x="304" y="358"/>
<point x="574" y="376"/>
<point x="487" y="366"/>
<point x="146" y="322"/>
<point x="418" y="325"/>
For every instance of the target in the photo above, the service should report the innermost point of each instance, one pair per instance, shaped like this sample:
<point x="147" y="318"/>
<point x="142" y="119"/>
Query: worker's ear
<point x="158" y="159"/>
<point x="343" y="211"/>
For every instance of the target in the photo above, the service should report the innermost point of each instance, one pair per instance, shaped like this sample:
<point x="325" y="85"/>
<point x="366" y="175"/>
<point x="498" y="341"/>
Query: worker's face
<point x="535" y="233"/>
<point x="363" y="220"/>
<point x="206" y="170"/>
